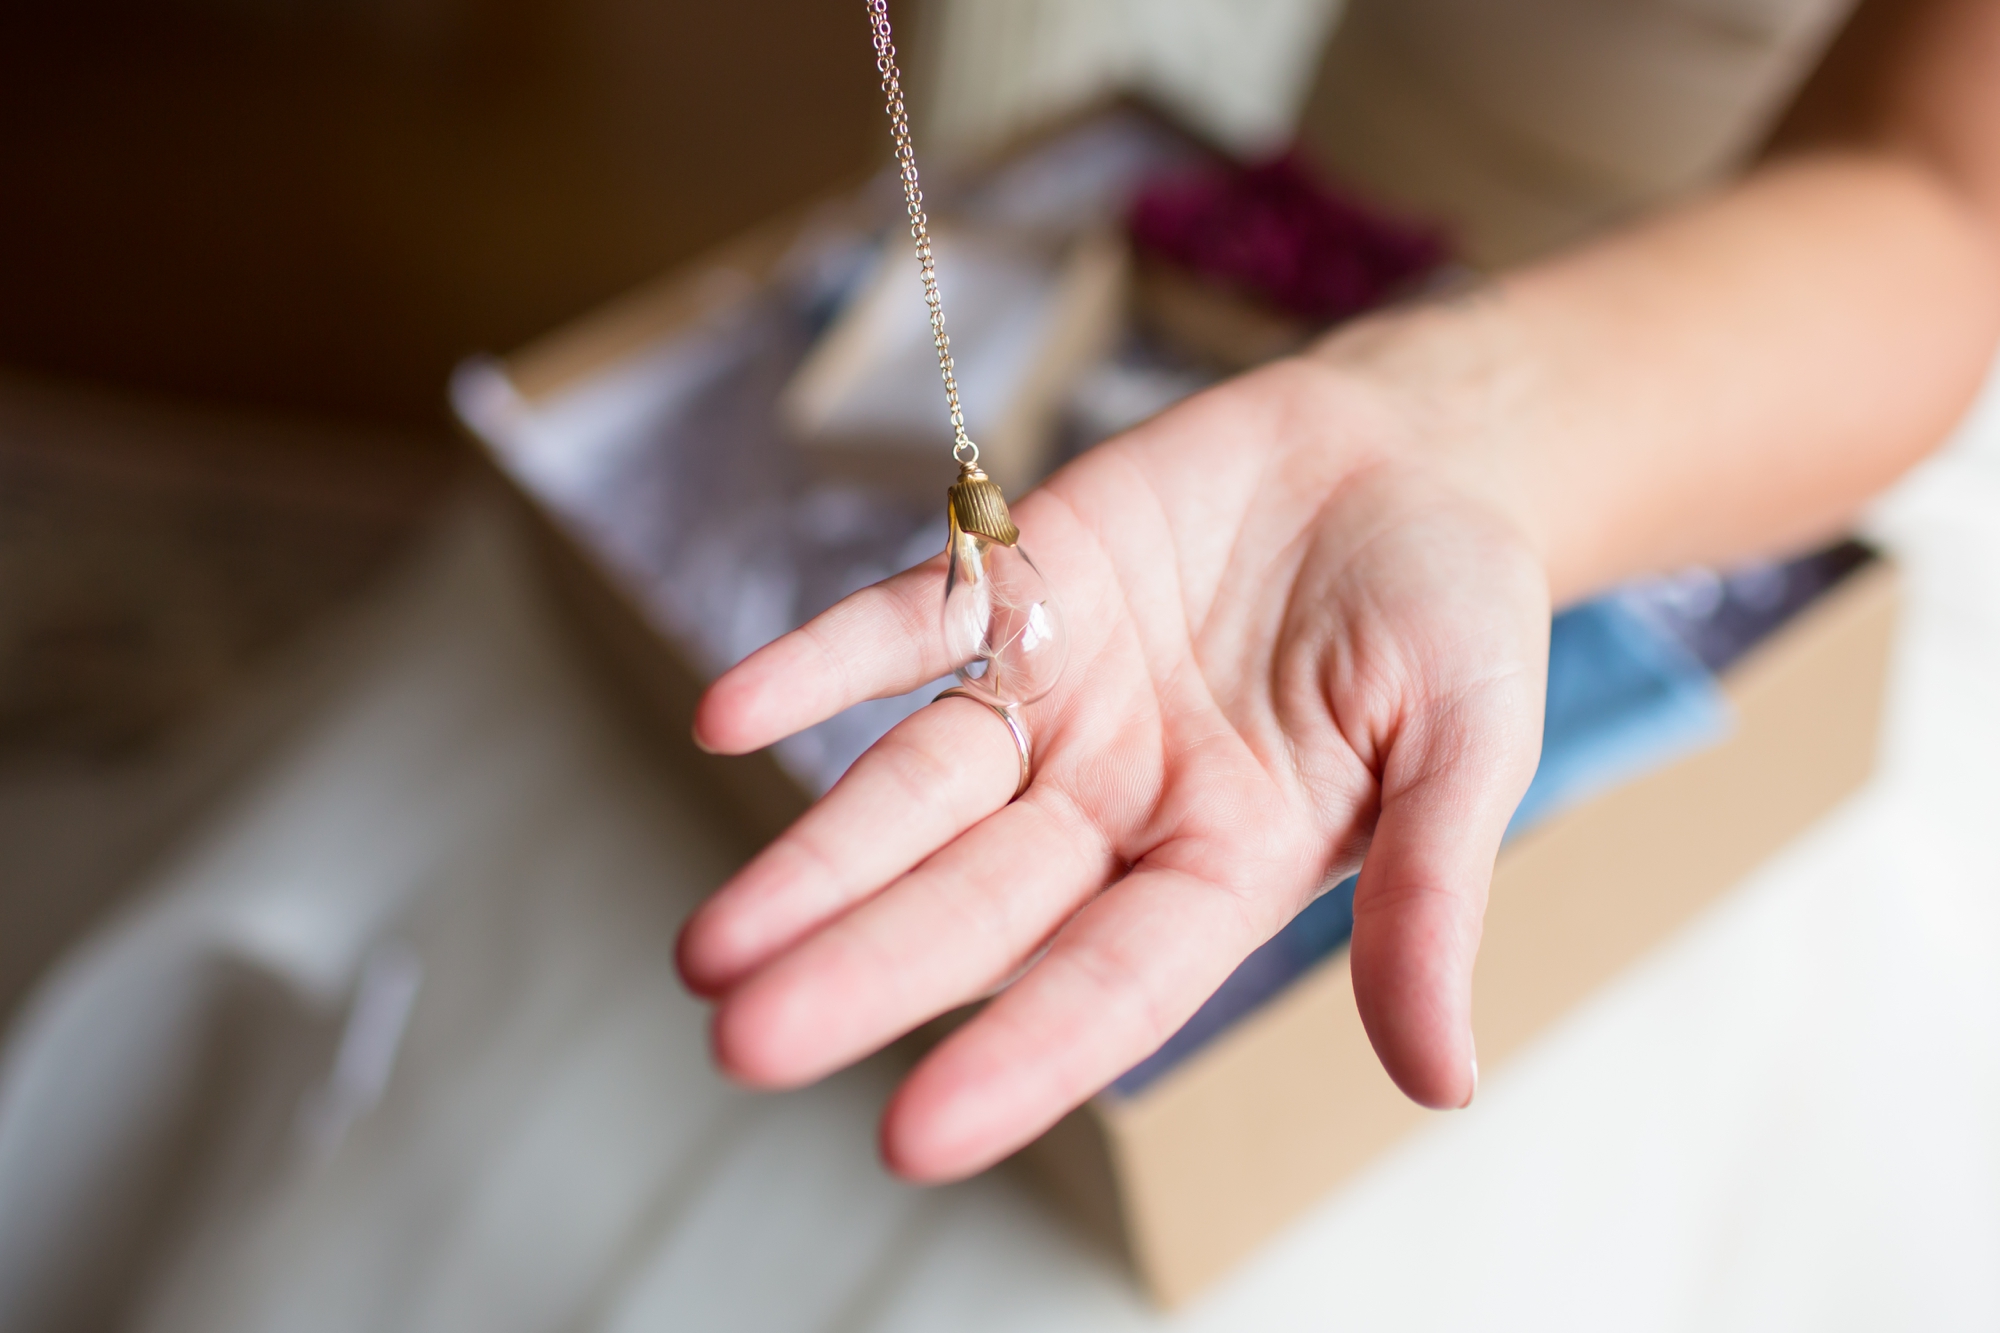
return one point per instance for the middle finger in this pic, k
(936, 774)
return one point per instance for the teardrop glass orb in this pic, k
(1002, 626)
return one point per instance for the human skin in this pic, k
(1309, 620)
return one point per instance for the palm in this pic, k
(1283, 645)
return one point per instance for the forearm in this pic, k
(1737, 376)
(1729, 381)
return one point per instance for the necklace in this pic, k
(1002, 627)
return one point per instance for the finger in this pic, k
(882, 641)
(947, 933)
(939, 772)
(1121, 978)
(1450, 784)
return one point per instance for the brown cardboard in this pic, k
(1211, 322)
(670, 304)
(1016, 442)
(1192, 1174)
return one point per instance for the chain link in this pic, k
(962, 449)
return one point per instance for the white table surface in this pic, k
(1788, 1117)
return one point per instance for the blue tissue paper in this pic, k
(1625, 697)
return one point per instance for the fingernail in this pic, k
(1475, 1083)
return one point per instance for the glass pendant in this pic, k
(1002, 626)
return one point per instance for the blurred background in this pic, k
(242, 246)
(396, 401)
(318, 206)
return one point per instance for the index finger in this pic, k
(882, 641)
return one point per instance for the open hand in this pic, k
(1295, 639)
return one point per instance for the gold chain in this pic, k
(962, 449)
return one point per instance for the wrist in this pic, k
(1448, 386)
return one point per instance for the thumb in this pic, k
(1452, 779)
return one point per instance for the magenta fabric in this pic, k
(1276, 232)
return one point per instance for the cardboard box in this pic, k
(1026, 317)
(1189, 1173)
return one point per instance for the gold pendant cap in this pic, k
(977, 506)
